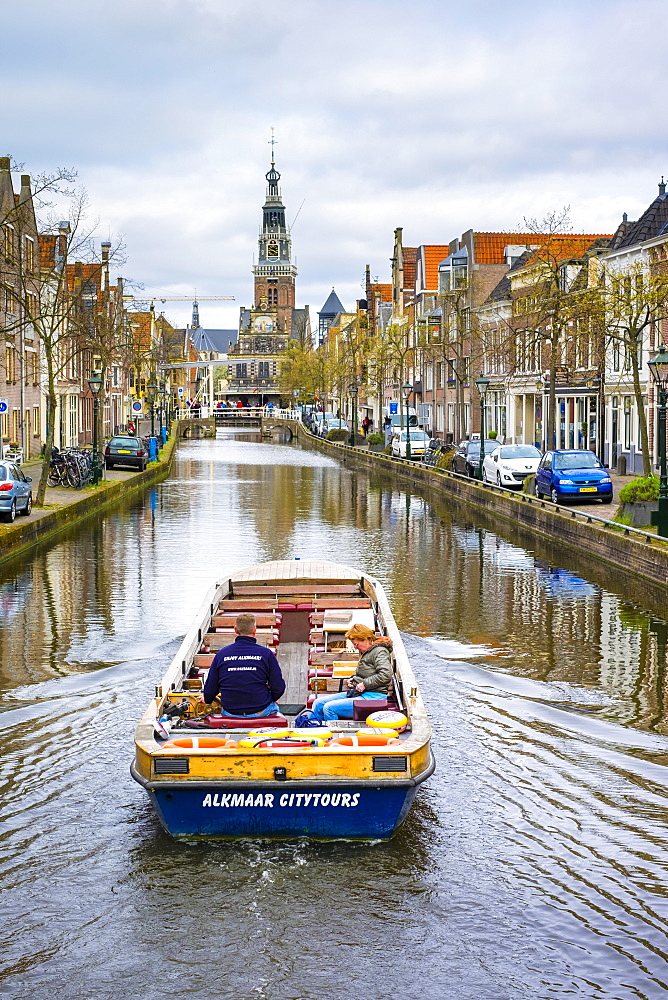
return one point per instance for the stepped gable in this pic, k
(653, 222)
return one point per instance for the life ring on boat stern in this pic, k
(200, 743)
(365, 740)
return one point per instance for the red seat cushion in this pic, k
(321, 672)
(286, 607)
(305, 607)
(309, 701)
(237, 722)
(362, 707)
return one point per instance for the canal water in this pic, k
(534, 862)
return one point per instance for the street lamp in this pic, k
(152, 390)
(408, 388)
(658, 366)
(483, 385)
(95, 383)
(353, 393)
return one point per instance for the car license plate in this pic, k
(588, 489)
(124, 451)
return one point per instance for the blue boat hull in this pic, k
(277, 810)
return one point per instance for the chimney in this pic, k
(625, 217)
(106, 247)
(662, 189)
(5, 163)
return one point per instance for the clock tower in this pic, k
(274, 272)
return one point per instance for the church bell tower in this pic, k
(274, 272)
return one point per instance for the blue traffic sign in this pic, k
(4, 405)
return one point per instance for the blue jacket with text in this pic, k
(245, 675)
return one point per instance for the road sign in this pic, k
(4, 405)
(180, 390)
(138, 407)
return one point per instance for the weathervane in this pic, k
(272, 142)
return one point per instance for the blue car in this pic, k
(15, 491)
(570, 475)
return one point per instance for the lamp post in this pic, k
(408, 388)
(658, 365)
(483, 384)
(152, 390)
(353, 395)
(95, 383)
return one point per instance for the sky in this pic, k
(434, 115)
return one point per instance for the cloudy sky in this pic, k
(433, 115)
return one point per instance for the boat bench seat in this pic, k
(203, 660)
(321, 657)
(216, 640)
(251, 604)
(262, 621)
(363, 707)
(238, 722)
(297, 592)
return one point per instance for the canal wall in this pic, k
(613, 557)
(18, 538)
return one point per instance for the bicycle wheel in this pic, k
(73, 477)
(53, 478)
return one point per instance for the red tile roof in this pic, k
(383, 290)
(432, 255)
(489, 247)
(410, 258)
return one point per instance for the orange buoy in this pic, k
(365, 740)
(200, 743)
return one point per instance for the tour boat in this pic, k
(215, 776)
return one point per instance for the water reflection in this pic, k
(533, 864)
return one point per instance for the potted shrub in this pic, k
(341, 435)
(376, 442)
(639, 499)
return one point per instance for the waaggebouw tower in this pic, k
(265, 330)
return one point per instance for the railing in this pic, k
(647, 536)
(200, 412)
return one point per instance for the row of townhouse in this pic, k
(537, 313)
(61, 319)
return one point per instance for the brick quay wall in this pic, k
(617, 561)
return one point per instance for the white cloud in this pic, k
(435, 116)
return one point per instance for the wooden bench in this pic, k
(262, 621)
(216, 640)
(305, 592)
(251, 604)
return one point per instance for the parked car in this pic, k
(466, 458)
(570, 474)
(509, 465)
(419, 443)
(333, 424)
(126, 451)
(321, 420)
(15, 491)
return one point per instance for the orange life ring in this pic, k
(200, 743)
(365, 740)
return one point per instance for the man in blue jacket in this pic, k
(245, 677)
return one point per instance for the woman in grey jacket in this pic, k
(370, 680)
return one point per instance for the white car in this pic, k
(419, 443)
(509, 464)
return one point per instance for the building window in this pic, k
(30, 254)
(263, 369)
(628, 421)
(36, 422)
(242, 370)
(10, 364)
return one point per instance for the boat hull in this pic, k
(281, 810)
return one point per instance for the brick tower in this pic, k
(274, 272)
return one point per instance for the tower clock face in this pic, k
(263, 324)
(272, 248)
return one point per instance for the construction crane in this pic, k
(180, 298)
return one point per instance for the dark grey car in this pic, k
(465, 460)
(126, 451)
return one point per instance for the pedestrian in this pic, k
(366, 423)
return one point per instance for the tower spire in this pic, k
(272, 142)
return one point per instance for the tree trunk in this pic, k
(51, 402)
(642, 414)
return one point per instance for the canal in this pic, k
(534, 863)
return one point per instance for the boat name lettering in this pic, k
(287, 800)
